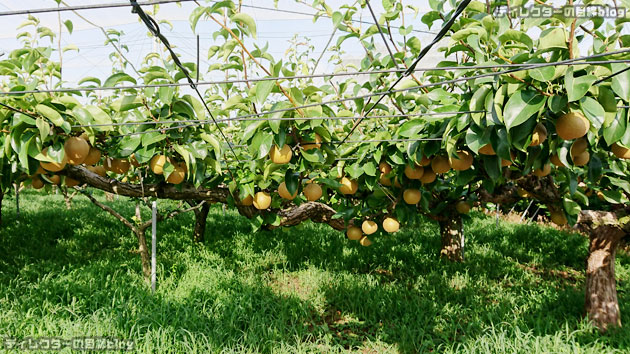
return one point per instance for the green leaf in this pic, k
(492, 166)
(212, 141)
(521, 106)
(621, 82)
(411, 128)
(119, 77)
(129, 144)
(476, 137)
(92, 79)
(414, 44)
(516, 36)
(291, 181)
(607, 99)
(614, 196)
(25, 141)
(69, 26)
(313, 155)
(543, 74)
(50, 113)
(570, 206)
(246, 21)
(261, 144)
(195, 15)
(577, 87)
(370, 168)
(462, 34)
(553, 38)
(151, 138)
(616, 129)
(593, 111)
(355, 170)
(251, 129)
(337, 17)
(477, 103)
(372, 30)
(44, 128)
(100, 117)
(263, 89)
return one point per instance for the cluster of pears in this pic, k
(425, 172)
(368, 227)
(283, 155)
(571, 126)
(262, 200)
(77, 151)
(178, 175)
(312, 192)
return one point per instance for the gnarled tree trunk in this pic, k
(452, 238)
(143, 249)
(201, 216)
(601, 304)
(142, 244)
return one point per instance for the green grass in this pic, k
(305, 289)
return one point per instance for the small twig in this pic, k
(529, 84)
(108, 209)
(332, 36)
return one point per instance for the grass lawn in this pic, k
(73, 273)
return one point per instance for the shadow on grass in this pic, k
(396, 291)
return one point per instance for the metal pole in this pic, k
(153, 245)
(197, 58)
(498, 209)
(536, 213)
(526, 210)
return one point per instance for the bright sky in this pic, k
(274, 28)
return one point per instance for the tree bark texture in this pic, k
(291, 216)
(601, 303)
(452, 238)
(201, 216)
(606, 231)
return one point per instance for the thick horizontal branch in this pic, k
(161, 191)
(317, 212)
(592, 219)
(291, 216)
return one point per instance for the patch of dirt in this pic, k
(570, 276)
(289, 284)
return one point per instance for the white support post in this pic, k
(497, 218)
(153, 245)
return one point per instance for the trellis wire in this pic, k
(611, 76)
(445, 82)
(157, 2)
(271, 119)
(85, 7)
(371, 141)
(299, 77)
(380, 30)
(154, 28)
(423, 52)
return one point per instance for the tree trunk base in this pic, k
(601, 303)
(201, 216)
(143, 249)
(452, 239)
